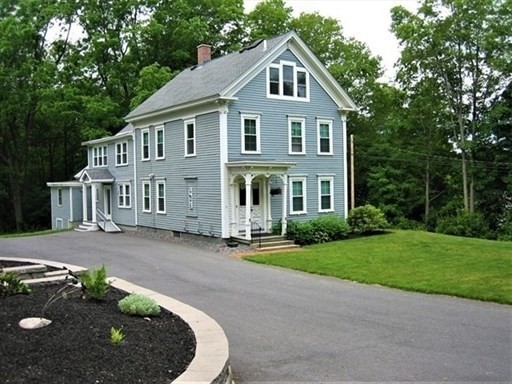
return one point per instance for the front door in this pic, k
(256, 208)
(107, 201)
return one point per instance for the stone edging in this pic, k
(210, 363)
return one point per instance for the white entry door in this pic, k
(256, 208)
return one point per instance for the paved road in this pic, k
(289, 326)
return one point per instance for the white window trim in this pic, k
(159, 129)
(158, 197)
(303, 131)
(99, 152)
(187, 122)
(122, 145)
(319, 123)
(144, 183)
(242, 130)
(142, 133)
(60, 197)
(291, 180)
(296, 69)
(124, 195)
(331, 184)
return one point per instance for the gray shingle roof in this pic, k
(207, 80)
(97, 174)
(127, 129)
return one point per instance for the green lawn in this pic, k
(411, 260)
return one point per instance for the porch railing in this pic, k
(256, 233)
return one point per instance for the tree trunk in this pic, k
(14, 179)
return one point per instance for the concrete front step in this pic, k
(86, 227)
(267, 244)
(288, 247)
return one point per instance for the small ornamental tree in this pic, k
(366, 220)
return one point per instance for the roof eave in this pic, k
(107, 139)
(178, 108)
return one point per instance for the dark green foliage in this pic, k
(321, 230)
(366, 220)
(139, 305)
(95, 282)
(10, 284)
(463, 224)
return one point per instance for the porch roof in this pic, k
(259, 167)
(95, 175)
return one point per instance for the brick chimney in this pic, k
(204, 53)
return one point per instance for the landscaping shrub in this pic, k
(95, 282)
(464, 224)
(366, 220)
(505, 228)
(10, 284)
(320, 230)
(140, 305)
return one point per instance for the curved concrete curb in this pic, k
(210, 363)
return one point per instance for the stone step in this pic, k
(289, 247)
(25, 269)
(46, 280)
(276, 243)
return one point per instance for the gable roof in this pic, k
(98, 175)
(224, 76)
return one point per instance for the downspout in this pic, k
(134, 188)
(343, 115)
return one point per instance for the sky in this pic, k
(368, 21)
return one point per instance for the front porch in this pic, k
(252, 184)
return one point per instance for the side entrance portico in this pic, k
(251, 185)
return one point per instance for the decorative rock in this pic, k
(34, 322)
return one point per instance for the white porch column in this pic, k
(84, 202)
(233, 230)
(268, 202)
(284, 223)
(93, 202)
(248, 205)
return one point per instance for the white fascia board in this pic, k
(64, 184)
(321, 74)
(260, 65)
(107, 139)
(189, 110)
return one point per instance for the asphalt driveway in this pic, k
(286, 326)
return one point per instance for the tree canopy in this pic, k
(435, 142)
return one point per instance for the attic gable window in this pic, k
(287, 81)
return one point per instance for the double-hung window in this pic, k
(251, 134)
(297, 136)
(324, 137)
(159, 143)
(146, 196)
(124, 195)
(298, 195)
(145, 144)
(325, 194)
(160, 196)
(99, 156)
(286, 80)
(190, 138)
(122, 153)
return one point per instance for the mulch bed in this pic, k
(76, 347)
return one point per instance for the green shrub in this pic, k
(505, 228)
(116, 336)
(95, 282)
(464, 224)
(320, 230)
(366, 220)
(10, 284)
(407, 224)
(139, 305)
